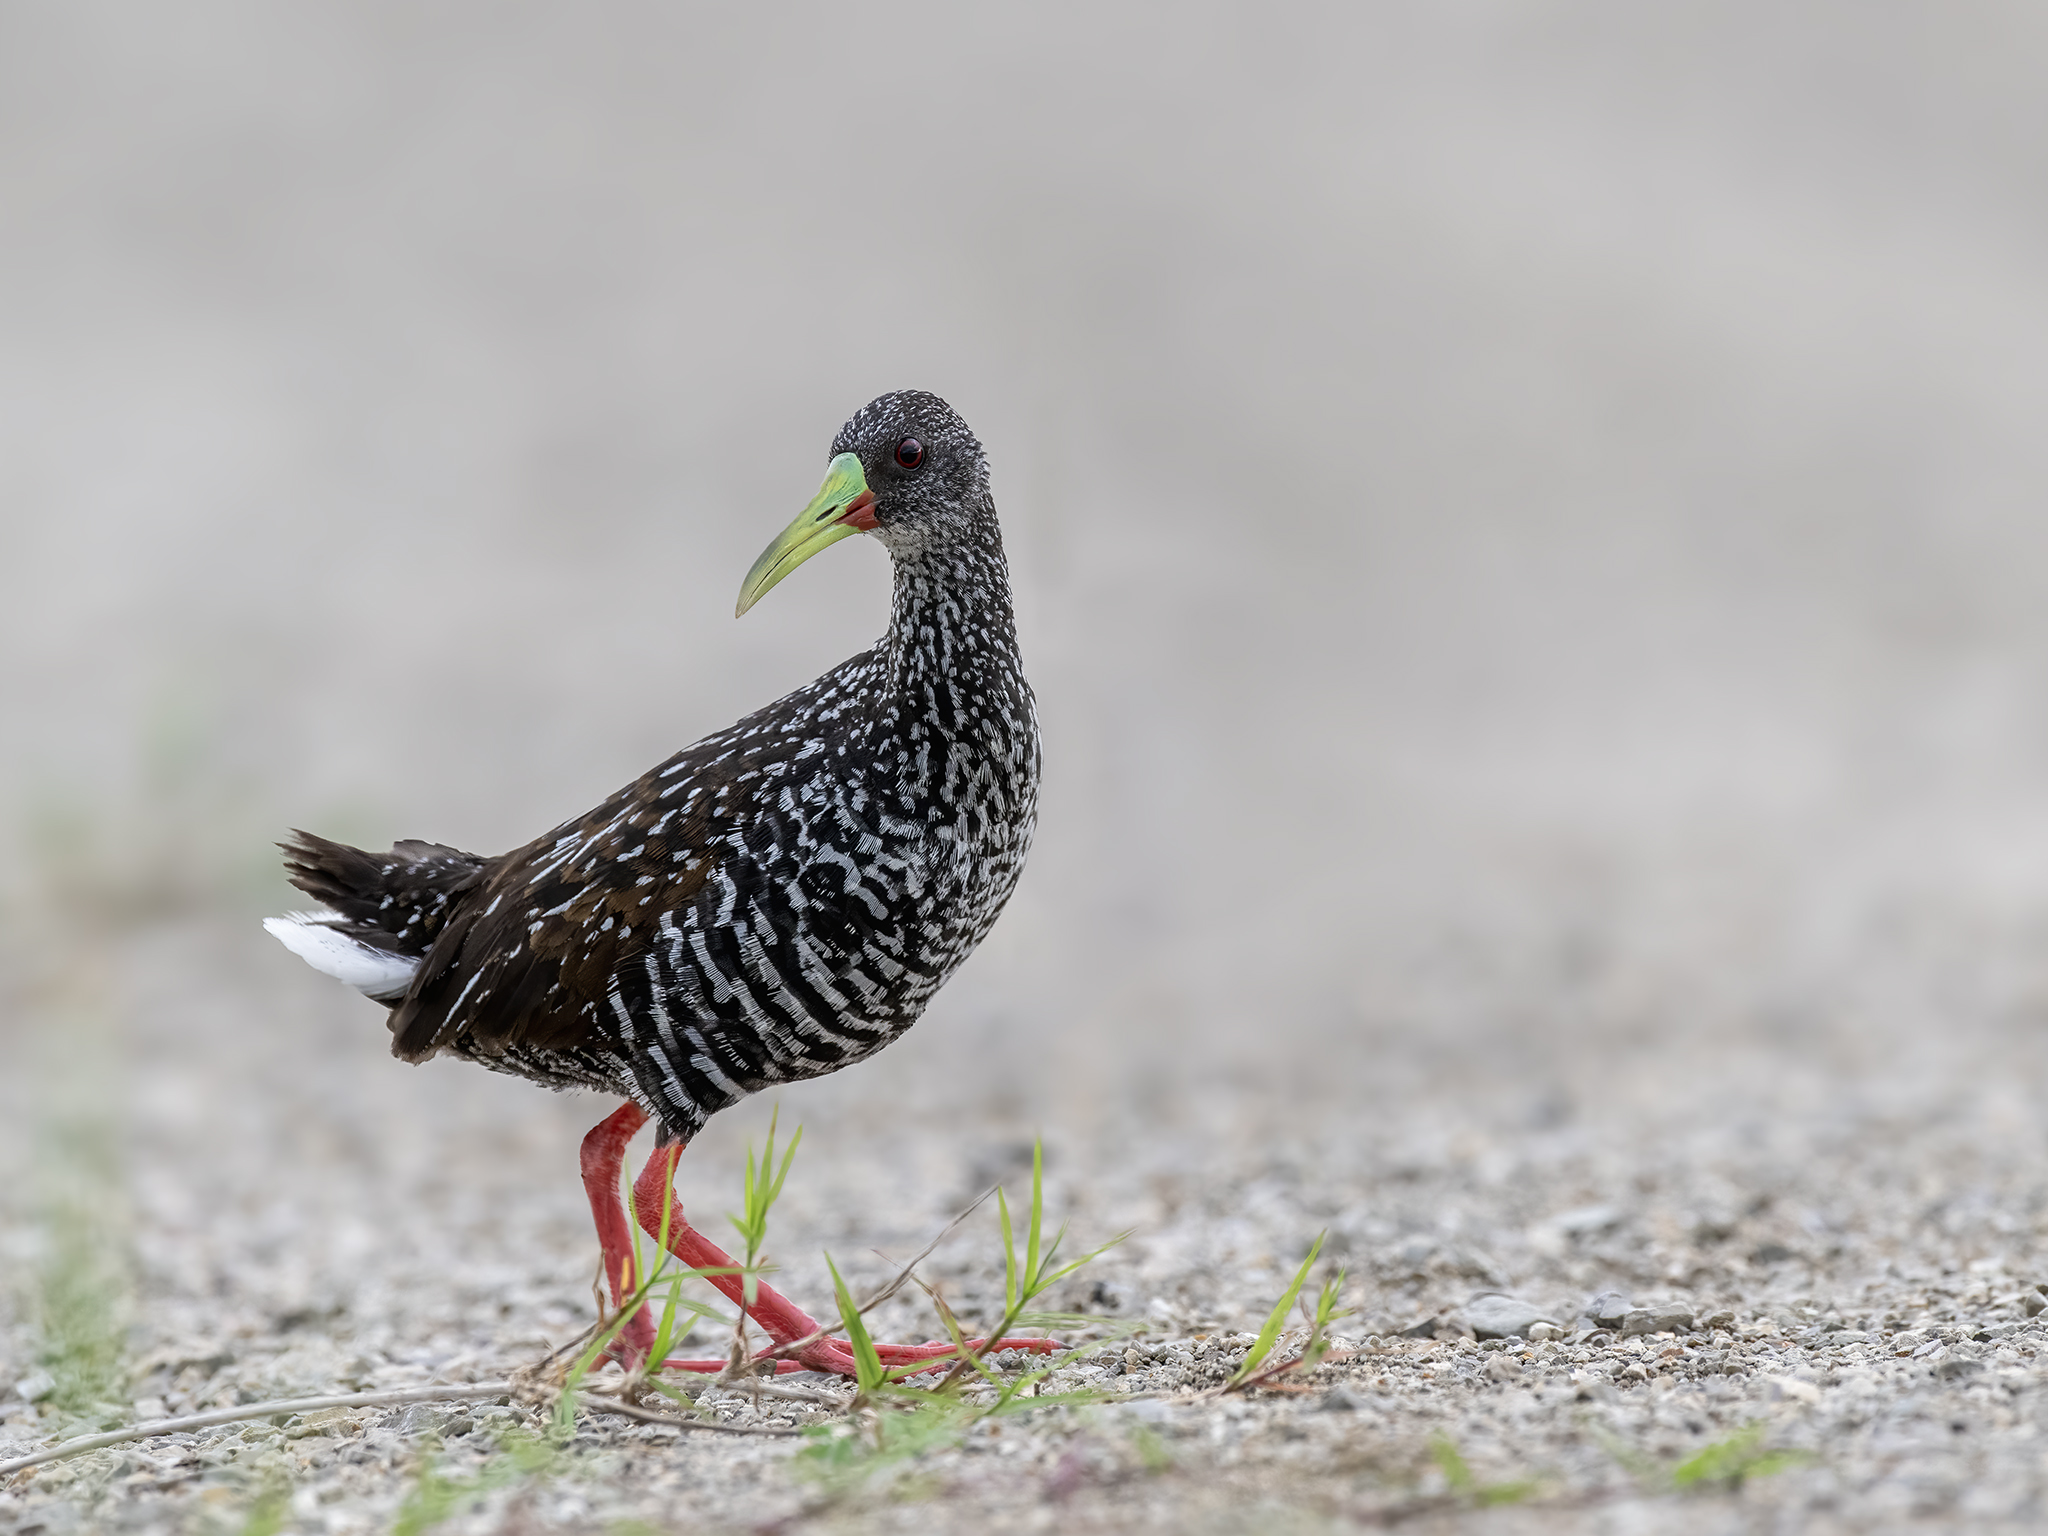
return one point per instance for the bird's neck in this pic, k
(952, 634)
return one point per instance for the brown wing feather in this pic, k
(528, 957)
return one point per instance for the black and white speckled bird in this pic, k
(776, 902)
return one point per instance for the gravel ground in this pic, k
(1526, 527)
(1799, 1207)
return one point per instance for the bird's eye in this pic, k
(910, 453)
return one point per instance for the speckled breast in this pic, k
(845, 901)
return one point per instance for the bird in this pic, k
(776, 902)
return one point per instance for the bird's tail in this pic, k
(381, 911)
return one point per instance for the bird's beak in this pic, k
(844, 505)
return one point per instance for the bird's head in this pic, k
(905, 468)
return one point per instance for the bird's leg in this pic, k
(782, 1319)
(604, 1154)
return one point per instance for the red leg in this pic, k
(604, 1155)
(782, 1319)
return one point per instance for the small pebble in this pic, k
(1496, 1315)
(1606, 1310)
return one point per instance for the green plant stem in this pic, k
(1021, 1284)
(1248, 1374)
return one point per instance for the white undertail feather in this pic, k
(313, 938)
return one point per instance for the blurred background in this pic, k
(1526, 523)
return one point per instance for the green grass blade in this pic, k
(870, 1376)
(959, 1342)
(782, 1175)
(664, 1332)
(1444, 1452)
(270, 1512)
(1463, 1485)
(1080, 1398)
(959, 1337)
(935, 1362)
(1010, 1302)
(1734, 1458)
(1028, 1379)
(1327, 1310)
(1037, 1214)
(696, 1310)
(743, 1223)
(1490, 1495)
(1723, 1459)
(565, 1405)
(632, 1229)
(761, 1189)
(1039, 1279)
(757, 1182)
(675, 1394)
(1263, 1345)
(668, 1208)
(1110, 1332)
(1153, 1454)
(430, 1500)
(1065, 1270)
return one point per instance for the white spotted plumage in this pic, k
(784, 897)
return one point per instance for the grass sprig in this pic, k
(1028, 1276)
(1325, 1312)
(871, 1377)
(1254, 1369)
(763, 1188)
(1729, 1462)
(1724, 1463)
(896, 1423)
(1466, 1488)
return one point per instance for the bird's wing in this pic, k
(528, 957)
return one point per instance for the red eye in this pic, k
(910, 453)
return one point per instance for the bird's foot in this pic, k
(798, 1342)
(903, 1354)
(833, 1357)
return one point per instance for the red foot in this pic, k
(835, 1357)
(604, 1154)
